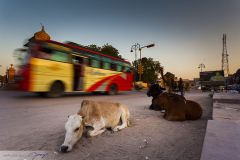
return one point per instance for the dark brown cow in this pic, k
(177, 108)
(154, 91)
(193, 110)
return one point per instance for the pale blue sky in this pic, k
(186, 33)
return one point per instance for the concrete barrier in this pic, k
(222, 138)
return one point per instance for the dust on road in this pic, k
(28, 122)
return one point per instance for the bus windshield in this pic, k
(52, 54)
(21, 57)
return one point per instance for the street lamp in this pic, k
(135, 47)
(147, 46)
(201, 66)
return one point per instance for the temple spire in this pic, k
(43, 29)
(41, 35)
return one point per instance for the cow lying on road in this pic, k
(97, 115)
(177, 108)
(154, 91)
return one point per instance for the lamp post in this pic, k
(135, 47)
(140, 63)
(201, 66)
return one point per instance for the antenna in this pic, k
(225, 65)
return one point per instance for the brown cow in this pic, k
(177, 108)
(193, 110)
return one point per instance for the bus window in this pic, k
(101, 64)
(22, 56)
(86, 61)
(50, 54)
(119, 68)
(77, 60)
(46, 50)
(113, 66)
(106, 65)
(59, 56)
(95, 63)
(126, 69)
(44, 53)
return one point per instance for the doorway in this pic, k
(78, 64)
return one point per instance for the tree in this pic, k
(94, 47)
(105, 49)
(110, 50)
(151, 69)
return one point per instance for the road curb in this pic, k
(222, 139)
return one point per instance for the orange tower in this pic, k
(11, 73)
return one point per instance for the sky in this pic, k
(186, 33)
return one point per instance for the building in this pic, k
(212, 80)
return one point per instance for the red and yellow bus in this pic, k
(53, 68)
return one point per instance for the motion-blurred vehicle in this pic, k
(234, 88)
(52, 68)
(140, 85)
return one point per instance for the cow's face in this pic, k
(154, 90)
(74, 130)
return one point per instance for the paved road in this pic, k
(29, 122)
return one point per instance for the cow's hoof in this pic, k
(112, 131)
(88, 135)
(64, 149)
(115, 129)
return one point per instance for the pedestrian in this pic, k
(181, 86)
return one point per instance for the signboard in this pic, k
(212, 76)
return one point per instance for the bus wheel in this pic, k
(113, 90)
(56, 90)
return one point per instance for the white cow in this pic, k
(99, 116)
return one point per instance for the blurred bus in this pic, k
(52, 68)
